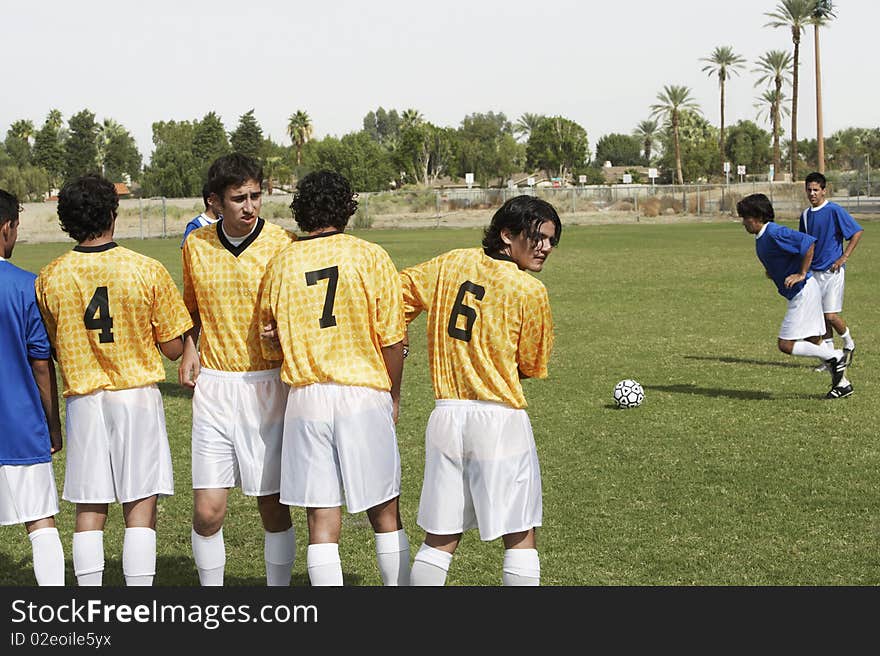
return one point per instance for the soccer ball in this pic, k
(628, 394)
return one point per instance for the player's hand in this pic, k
(395, 410)
(189, 369)
(56, 441)
(269, 332)
(793, 279)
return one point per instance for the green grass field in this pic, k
(735, 470)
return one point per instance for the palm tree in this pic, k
(723, 62)
(772, 104)
(773, 67)
(411, 118)
(299, 129)
(647, 132)
(673, 99)
(794, 15)
(526, 123)
(107, 131)
(823, 13)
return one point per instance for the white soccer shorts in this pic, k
(117, 447)
(238, 422)
(340, 448)
(804, 316)
(481, 470)
(831, 285)
(27, 493)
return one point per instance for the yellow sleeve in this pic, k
(416, 282)
(391, 323)
(266, 300)
(170, 316)
(536, 336)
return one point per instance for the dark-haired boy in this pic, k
(786, 255)
(489, 325)
(106, 310)
(209, 217)
(30, 395)
(238, 398)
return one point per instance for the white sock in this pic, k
(392, 555)
(279, 550)
(324, 565)
(848, 342)
(829, 342)
(48, 556)
(521, 567)
(139, 556)
(210, 556)
(810, 350)
(88, 557)
(430, 567)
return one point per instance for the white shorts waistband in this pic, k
(250, 376)
(471, 403)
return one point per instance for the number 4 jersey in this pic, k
(105, 308)
(488, 322)
(336, 301)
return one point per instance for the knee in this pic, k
(385, 517)
(208, 517)
(275, 515)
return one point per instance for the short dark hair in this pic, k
(521, 214)
(756, 206)
(206, 194)
(233, 170)
(87, 207)
(323, 199)
(815, 176)
(9, 207)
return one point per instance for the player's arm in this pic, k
(850, 247)
(47, 384)
(393, 356)
(806, 261)
(189, 368)
(172, 349)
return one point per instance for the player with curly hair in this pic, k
(336, 306)
(106, 310)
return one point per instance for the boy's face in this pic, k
(240, 207)
(9, 230)
(528, 254)
(752, 225)
(815, 194)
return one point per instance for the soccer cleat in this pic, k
(840, 392)
(837, 367)
(848, 355)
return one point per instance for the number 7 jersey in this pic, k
(105, 308)
(488, 323)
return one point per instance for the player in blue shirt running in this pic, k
(831, 225)
(209, 216)
(786, 255)
(32, 430)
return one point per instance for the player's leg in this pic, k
(521, 563)
(209, 549)
(431, 564)
(139, 541)
(392, 545)
(322, 559)
(88, 543)
(279, 543)
(48, 554)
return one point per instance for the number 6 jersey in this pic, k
(105, 308)
(488, 322)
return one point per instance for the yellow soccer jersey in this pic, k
(221, 283)
(487, 322)
(105, 308)
(336, 301)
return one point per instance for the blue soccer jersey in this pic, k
(781, 251)
(830, 224)
(24, 439)
(198, 222)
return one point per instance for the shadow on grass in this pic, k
(731, 360)
(175, 390)
(714, 392)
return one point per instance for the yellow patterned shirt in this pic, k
(105, 308)
(220, 284)
(336, 302)
(487, 322)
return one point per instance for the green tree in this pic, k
(723, 62)
(525, 124)
(248, 136)
(18, 142)
(173, 170)
(698, 143)
(383, 126)
(485, 146)
(673, 100)
(81, 146)
(793, 15)
(425, 152)
(619, 149)
(749, 145)
(120, 158)
(49, 149)
(773, 69)
(822, 14)
(365, 163)
(647, 132)
(209, 141)
(558, 146)
(410, 117)
(299, 129)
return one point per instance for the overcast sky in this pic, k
(599, 64)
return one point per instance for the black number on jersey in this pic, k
(332, 275)
(460, 309)
(99, 305)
